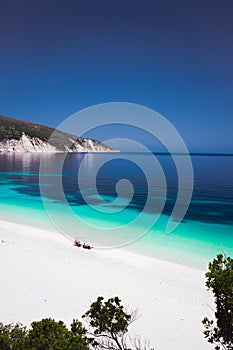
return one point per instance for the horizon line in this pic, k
(183, 154)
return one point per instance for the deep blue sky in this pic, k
(176, 57)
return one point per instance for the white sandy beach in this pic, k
(43, 275)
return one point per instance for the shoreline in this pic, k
(44, 275)
(191, 246)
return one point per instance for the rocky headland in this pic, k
(22, 136)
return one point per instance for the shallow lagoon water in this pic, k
(207, 228)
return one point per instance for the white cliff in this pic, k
(34, 144)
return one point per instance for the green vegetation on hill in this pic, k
(13, 129)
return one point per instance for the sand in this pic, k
(43, 275)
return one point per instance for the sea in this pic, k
(121, 201)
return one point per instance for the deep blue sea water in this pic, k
(94, 209)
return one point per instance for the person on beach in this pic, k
(77, 243)
(86, 246)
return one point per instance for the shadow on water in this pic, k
(206, 211)
(212, 200)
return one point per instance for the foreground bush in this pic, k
(42, 335)
(12, 336)
(220, 281)
(107, 329)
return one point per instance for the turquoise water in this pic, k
(110, 218)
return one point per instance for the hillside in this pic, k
(13, 128)
(19, 136)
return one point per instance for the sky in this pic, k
(58, 57)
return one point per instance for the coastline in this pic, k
(44, 275)
(194, 244)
